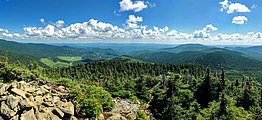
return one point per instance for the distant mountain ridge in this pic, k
(45, 50)
(216, 57)
(23, 59)
(187, 47)
(254, 51)
(206, 56)
(38, 51)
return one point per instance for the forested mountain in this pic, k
(215, 58)
(172, 91)
(169, 91)
(254, 52)
(53, 56)
(187, 47)
(126, 58)
(14, 58)
(44, 50)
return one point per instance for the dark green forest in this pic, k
(172, 91)
(200, 90)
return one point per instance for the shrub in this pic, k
(10, 73)
(122, 94)
(88, 107)
(140, 115)
(100, 94)
(91, 100)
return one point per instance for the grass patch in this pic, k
(60, 61)
(70, 59)
(49, 62)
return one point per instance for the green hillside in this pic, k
(187, 47)
(61, 61)
(44, 50)
(216, 60)
(21, 58)
(253, 52)
(126, 58)
(185, 91)
(53, 56)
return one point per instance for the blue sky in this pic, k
(151, 21)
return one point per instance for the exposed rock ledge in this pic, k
(34, 101)
(38, 100)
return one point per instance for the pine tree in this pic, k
(223, 80)
(204, 91)
(223, 109)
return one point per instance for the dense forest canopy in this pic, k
(171, 91)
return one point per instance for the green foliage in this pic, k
(172, 91)
(126, 58)
(214, 58)
(122, 94)
(141, 115)
(121, 79)
(232, 113)
(22, 59)
(44, 50)
(10, 73)
(49, 62)
(70, 59)
(93, 94)
(60, 61)
(87, 107)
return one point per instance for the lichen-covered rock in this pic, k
(15, 118)
(13, 101)
(100, 117)
(30, 89)
(6, 111)
(74, 118)
(28, 115)
(53, 117)
(131, 116)
(27, 103)
(117, 117)
(58, 112)
(67, 107)
(3, 88)
(19, 92)
(46, 101)
(48, 104)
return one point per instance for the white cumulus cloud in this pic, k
(239, 20)
(201, 34)
(94, 29)
(209, 28)
(250, 36)
(205, 32)
(60, 23)
(3, 30)
(4, 33)
(128, 5)
(42, 20)
(133, 20)
(233, 7)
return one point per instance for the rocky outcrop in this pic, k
(38, 100)
(124, 110)
(34, 101)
